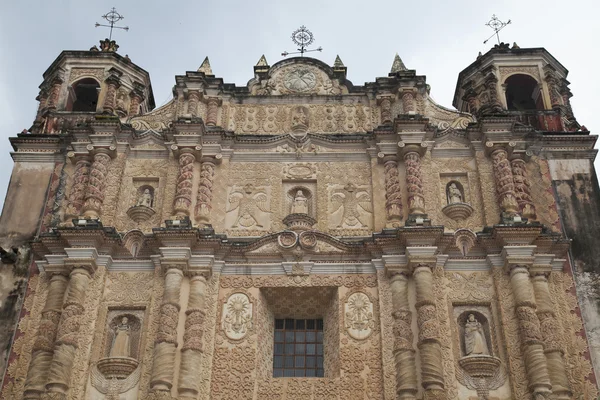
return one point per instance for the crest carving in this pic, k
(237, 316)
(358, 312)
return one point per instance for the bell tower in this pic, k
(529, 84)
(82, 84)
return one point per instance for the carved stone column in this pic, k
(432, 375)
(94, 196)
(43, 348)
(414, 181)
(81, 179)
(136, 97)
(193, 99)
(529, 328)
(212, 111)
(67, 337)
(523, 188)
(550, 329)
(408, 102)
(385, 106)
(204, 197)
(54, 93)
(165, 345)
(504, 182)
(183, 193)
(112, 84)
(404, 354)
(191, 353)
(393, 195)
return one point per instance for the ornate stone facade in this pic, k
(184, 251)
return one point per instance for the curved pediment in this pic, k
(298, 76)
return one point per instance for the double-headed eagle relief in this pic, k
(249, 208)
(350, 207)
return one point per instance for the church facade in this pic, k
(301, 237)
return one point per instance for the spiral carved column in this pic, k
(81, 180)
(204, 197)
(191, 353)
(134, 104)
(43, 348)
(110, 99)
(404, 353)
(183, 194)
(165, 345)
(67, 335)
(504, 182)
(529, 328)
(96, 185)
(414, 182)
(193, 99)
(393, 195)
(430, 349)
(54, 94)
(212, 111)
(523, 188)
(408, 102)
(549, 328)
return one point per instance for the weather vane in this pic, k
(497, 26)
(303, 38)
(113, 17)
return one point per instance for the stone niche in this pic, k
(144, 199)
(293, 190)
(455, 196)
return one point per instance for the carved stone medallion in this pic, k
(300, 80)
(358, 313)
(236, 317)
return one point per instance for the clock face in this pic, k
(300, 80)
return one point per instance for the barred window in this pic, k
(298, 348)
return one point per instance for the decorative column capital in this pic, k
(408, 148)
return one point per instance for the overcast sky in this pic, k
(437, 38)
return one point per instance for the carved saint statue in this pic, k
(145, 199)
(454, 194)
(475, 343)
(120, 344)
(300, 204)
(299, 117)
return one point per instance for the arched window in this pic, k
(523, 93)
(83, 96)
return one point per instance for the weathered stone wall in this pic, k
(578, 194)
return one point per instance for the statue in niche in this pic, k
(300, 117)
(454, 194)
(300, 203)
(145, 199)
(121, 343)
(475, 343)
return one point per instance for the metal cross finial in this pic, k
(497, 26)
(302, 37)
(113, 17)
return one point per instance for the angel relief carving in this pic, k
(249, 208)
(350, 207)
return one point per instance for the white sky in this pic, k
(437, 38)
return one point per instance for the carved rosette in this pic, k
(523, 188)
(393, 195)
(68, 332)
(212, 111)
(504, 182)
(205, 192)
(110, 99)
(414, 183)
(529, 328)
(404, 353)
(183, 195)
(95, 190)
(81, 179)
(193, 99)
